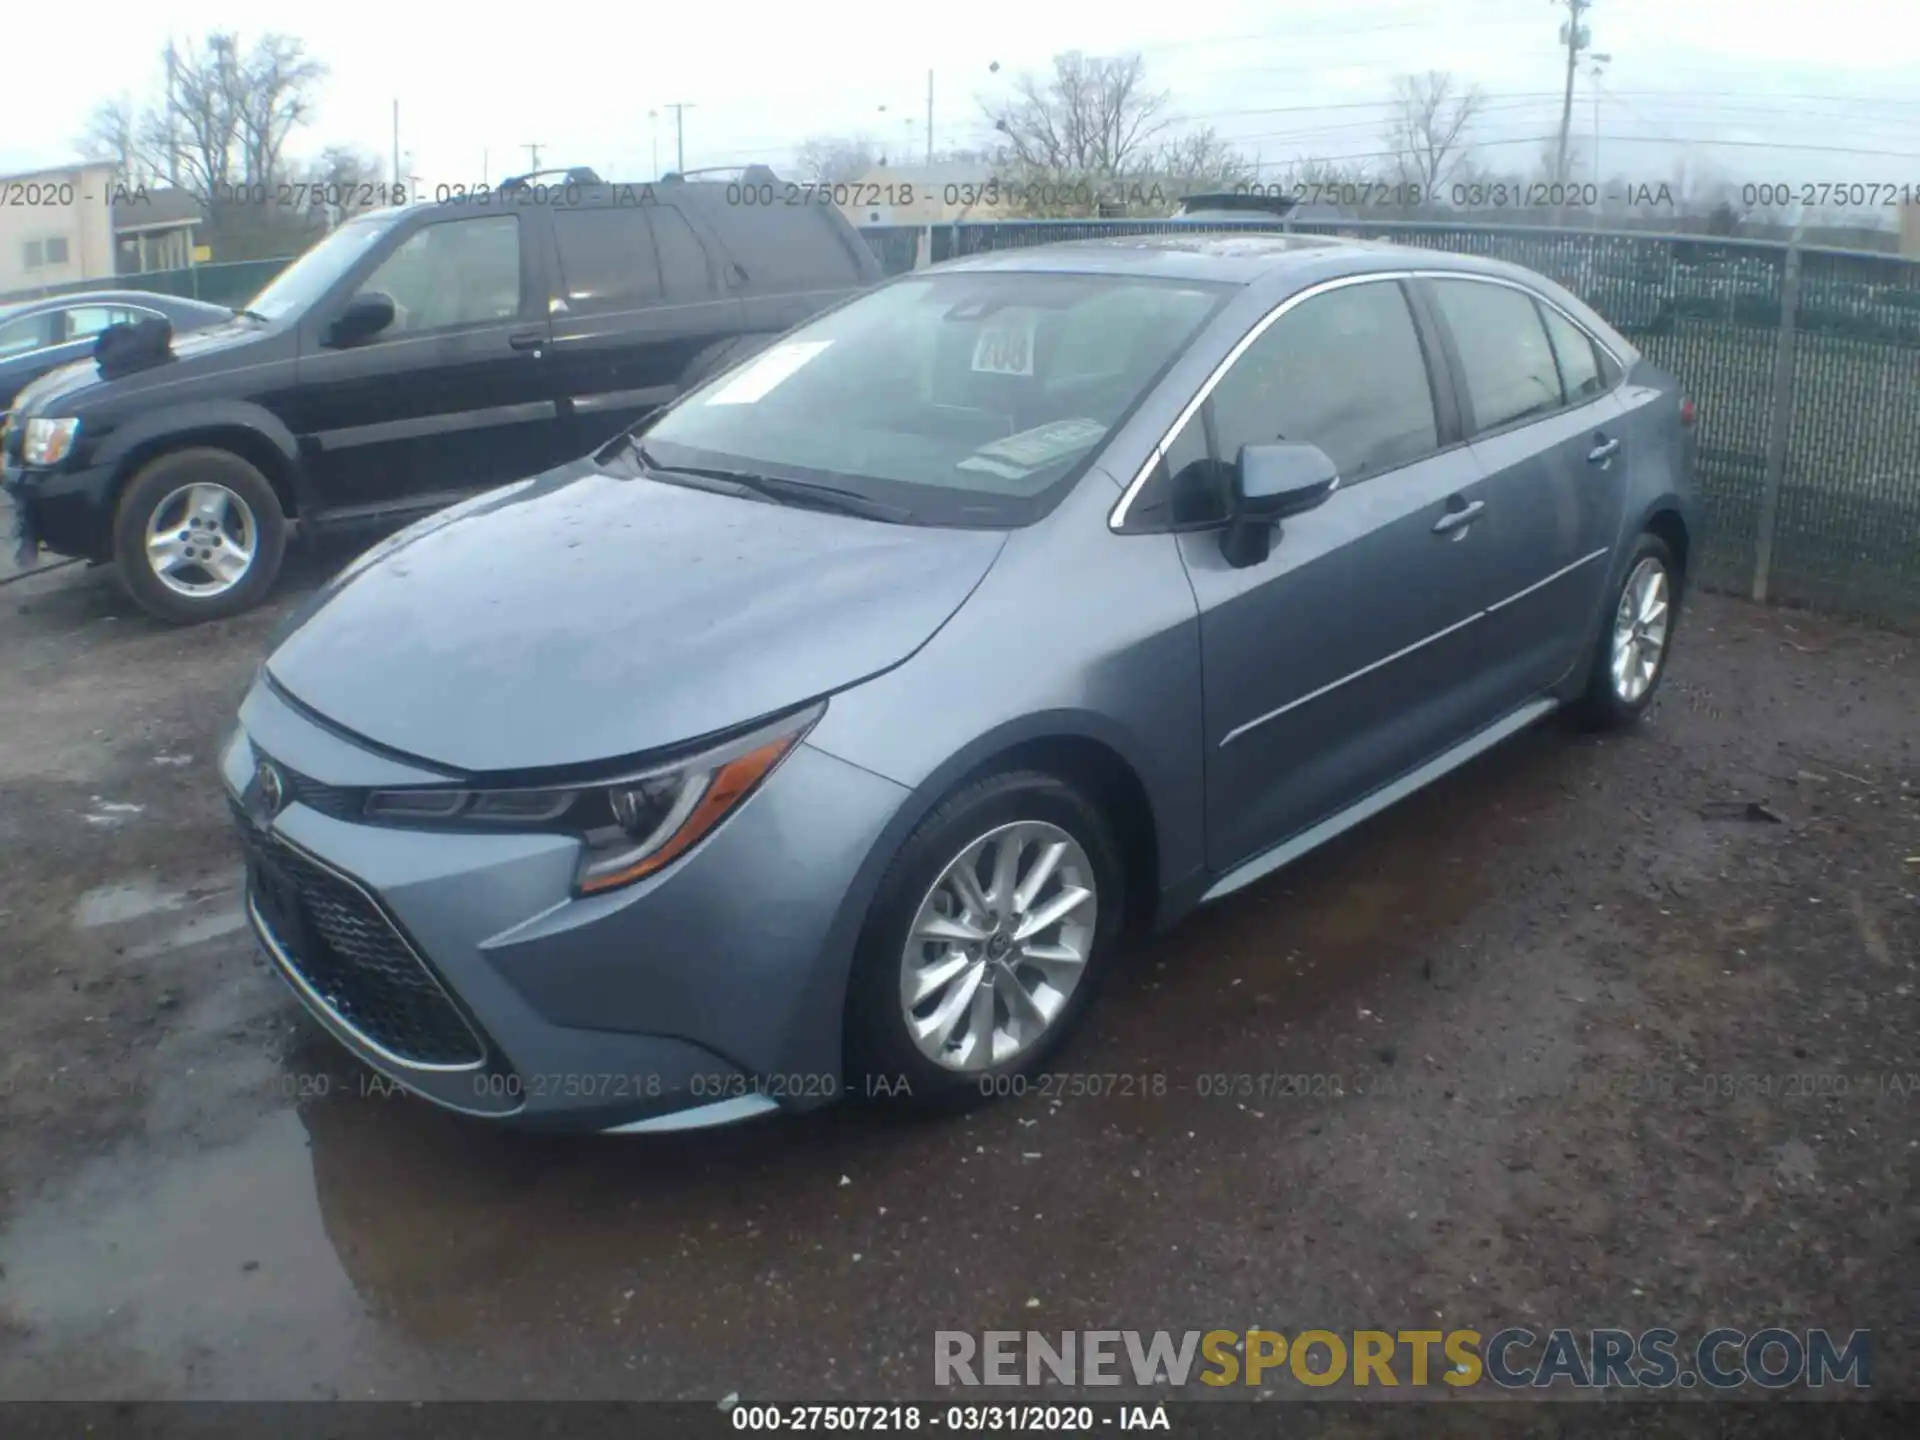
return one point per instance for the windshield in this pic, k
(309, 277)
(965, 399)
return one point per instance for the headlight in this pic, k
(629, 827)
(48, 441)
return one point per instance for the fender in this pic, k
(1638, 519)
(815, 1038)
(184, 422)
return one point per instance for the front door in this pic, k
(453, 394)
(1343, 659)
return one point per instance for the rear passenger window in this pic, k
(606, 258)
(683, 259)
(1579, 361)
(1343, 371)
(786, 248)
(1510, 370)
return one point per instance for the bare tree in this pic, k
(835, 159)
(1427, 131)
(114, 132)
(274, 97)
(1089, 125)
(1198, 161)
(230, 113)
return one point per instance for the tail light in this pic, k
(1686, 412)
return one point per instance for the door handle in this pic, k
(1603, 452)
(1455, 519)
(534, 340)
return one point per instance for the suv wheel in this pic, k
(198, 535)
(984, 943)
(1637, 631)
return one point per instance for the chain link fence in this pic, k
(1804, 365)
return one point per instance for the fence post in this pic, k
(1779, 422)
(923, 248)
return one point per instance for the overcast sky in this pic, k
(1799, 87)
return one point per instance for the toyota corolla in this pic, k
(823, 734)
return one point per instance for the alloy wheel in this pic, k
(1640, 631)
(998, 946)
(200, 540)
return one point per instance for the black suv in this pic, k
(413, 355)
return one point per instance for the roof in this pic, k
(156, 209)
(148, 299)
(70, 169)
(1233, 257)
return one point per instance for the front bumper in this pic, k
(459, 965)
(69, 512)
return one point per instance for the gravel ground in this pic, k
(1598, 1032)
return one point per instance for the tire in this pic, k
(1609, 702)
(170, 488)
(884, 1061)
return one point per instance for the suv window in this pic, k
(1579, 362)
(458, 272)
(785, 248)
(1508, 362)
(29, 332)
(606, 258)
(1343, 370)
(683, 259)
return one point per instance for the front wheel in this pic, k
(1631, 657)
(198, 535)
(984, 943)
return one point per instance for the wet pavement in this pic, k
(1462, 1068)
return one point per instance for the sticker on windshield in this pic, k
(762, 374)
(1018, 456)
(1005, 346)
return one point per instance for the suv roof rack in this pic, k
(574, 174)
(738, 174)
(1246, 202)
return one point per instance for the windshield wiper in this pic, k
(771, 487)
(253, 315)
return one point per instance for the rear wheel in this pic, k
(198, 535)
(1631, 658)
(984, 943)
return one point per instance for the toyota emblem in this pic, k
(273, 788)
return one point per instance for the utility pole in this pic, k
(929, 117)
(1595, 70)
(173, 110)
(679, 135)
(396, 142)
(653, 118)
(1574, 36)
(533, 156)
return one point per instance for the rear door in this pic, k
(1343, 659)
(639, 304)
(1552, 442)
(453, 395)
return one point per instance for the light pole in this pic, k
(654, 116)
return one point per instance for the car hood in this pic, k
(62, 388)
(585, 617)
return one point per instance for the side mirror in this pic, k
(1271, 482)
(366, 315)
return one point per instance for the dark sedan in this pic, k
(41, 335)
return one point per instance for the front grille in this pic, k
(351, 955)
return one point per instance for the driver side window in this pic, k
(1343, 370)
(459, 272)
